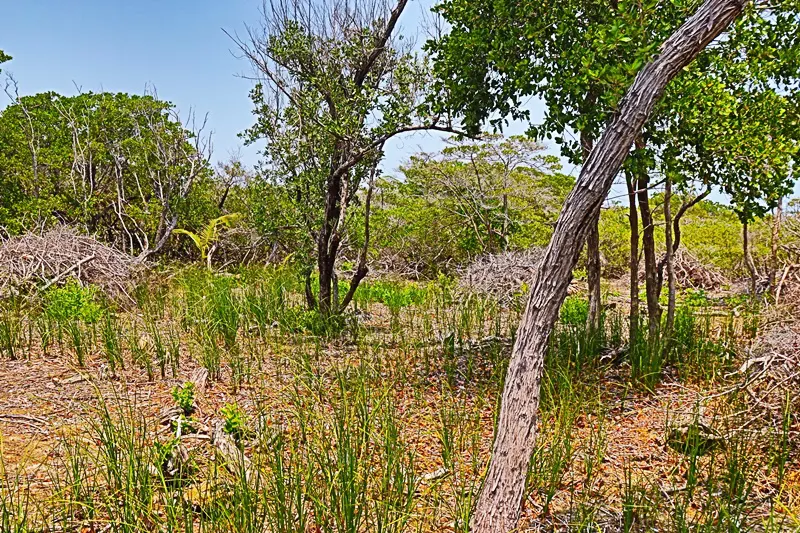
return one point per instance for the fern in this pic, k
(209, 235)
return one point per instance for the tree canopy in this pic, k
(118, 165)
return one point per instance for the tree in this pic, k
(500, 501)
(471, 198)
(577, 56)
(118, 165)
(335, 83)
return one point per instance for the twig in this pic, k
(74, 267)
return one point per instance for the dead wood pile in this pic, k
(772, 372)
(501, 275)
(692, 273)
(33, 261)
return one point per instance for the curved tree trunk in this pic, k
(500, 501)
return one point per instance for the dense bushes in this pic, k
(120, 166)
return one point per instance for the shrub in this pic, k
(184, 397)
(73, 302)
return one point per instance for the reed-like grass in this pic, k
(379, 419)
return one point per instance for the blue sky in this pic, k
(177, 47)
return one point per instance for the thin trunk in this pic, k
(327, 246)
(775, 241)
(224, 197)
(676, 232)
(748, 258)
(670, 265)
(326, 275)
(500, 502)
(505, 221)
(593, 275)
(649, 249)
(633, 220)
(362, 269)
(311, 301)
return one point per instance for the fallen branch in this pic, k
(66, 272)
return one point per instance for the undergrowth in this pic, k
(381, 419)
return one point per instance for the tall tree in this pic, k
(577, 56)
(500, 502)
(335, 83)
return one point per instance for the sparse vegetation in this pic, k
(357, 351)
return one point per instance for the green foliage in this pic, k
(473, 198)
(235, 420)
(333, 90)
(730, 120)
(73, 302)
(210, 233)
(118, 165)
(574, 311)
(183, 396)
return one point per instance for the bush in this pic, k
(73, 302)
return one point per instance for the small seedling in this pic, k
(235, 422)
(184, 397)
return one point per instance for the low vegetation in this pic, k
(483, 341)
(214, 389)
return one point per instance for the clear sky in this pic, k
(176, 46)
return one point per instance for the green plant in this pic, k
(235, 422)
(183, 396)
(73, 302)
(209, 235)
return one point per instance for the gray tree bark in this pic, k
(670, 322)
(500, 502)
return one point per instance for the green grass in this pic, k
(379, 420)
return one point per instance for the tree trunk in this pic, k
(676, 232)
(775, 240)
(592, 252)
(325, 265)
(670, 266)
(748, 258)
(500, 501)
(311, 301)
(362, 269)
(633, 221)
(328, 240)
(593, 275)
(649, 250)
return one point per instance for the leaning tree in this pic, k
(335, 82)
(577, 56)
(500, 502)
